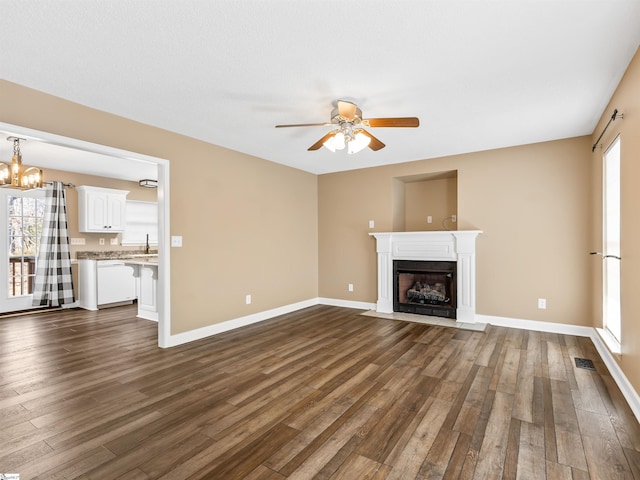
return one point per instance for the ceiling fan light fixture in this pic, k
(359, 142)
(336, 142)
(348, 118)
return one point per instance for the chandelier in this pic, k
(18, 175)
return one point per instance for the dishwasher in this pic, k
(116, 282)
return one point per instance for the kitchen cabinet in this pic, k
(101, 209)
(105, 282)
(116, 282)
(111, 282)
(147, 291)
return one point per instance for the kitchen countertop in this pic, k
(142, 261)
(135, 257)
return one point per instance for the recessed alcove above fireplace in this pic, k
(436, 246)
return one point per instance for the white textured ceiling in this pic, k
(479, 74)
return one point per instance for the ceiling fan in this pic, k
(347, 117)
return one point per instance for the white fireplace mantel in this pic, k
(454, 245)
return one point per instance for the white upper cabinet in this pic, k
(101, 209)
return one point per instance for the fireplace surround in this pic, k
(457, 246)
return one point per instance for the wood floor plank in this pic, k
(457, 460)
(471, 459)
(494, 445)
(530, 453)
(555, 471)
(570, 449)
(323, 454)
(523, 401)
(606, 459)
(319, 393)
(435, 465)
(513, 451)
(357, 467)
(408, 462)
(547, 411)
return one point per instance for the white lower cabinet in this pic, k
(114, 282)
(105, 282)
(147, 292)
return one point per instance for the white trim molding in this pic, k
(453, 245)
(563, 328)
(210, 330)
(336, 302)
(216, 328)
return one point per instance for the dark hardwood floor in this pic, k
(320, 393)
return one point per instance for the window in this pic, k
(611, 241)
(141, 220)
(24, 216)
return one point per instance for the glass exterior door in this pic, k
(21, 214)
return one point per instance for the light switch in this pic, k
(176, 240)
(371, 224)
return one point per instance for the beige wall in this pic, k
(532, 202)
(249, 226)
(627, 101)
(436, 198)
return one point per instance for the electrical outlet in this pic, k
(371, 224)
(247, 299)
(454, 218)
(542, 303)
(429, 219)
(101, 241)
(113, 241)
(176, 240)
(350, 287)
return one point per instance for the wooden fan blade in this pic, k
(347, 110)
(391, 122)
(305, 125)
(319, 143)
(375, 144)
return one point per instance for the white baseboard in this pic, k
(577, 330)
(629, 393)
(618, 375)
(336, 302)
(209, 330)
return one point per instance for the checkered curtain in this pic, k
(54, 283)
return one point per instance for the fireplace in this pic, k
(425, 288)
(456, 248)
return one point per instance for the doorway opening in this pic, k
(164, 321)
